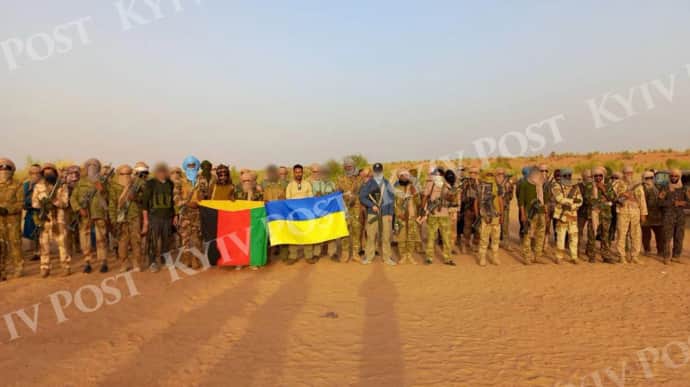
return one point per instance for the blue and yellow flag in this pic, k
(306, 221)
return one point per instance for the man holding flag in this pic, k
(298, 189)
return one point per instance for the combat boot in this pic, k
(428, 261)
(494, 260)
(636, 261)
(45, 273)
(574, 261)
(87, 268)
(104, 267)
(482, 261)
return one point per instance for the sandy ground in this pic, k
(335, 324)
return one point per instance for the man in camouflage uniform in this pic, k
(322, 185)
(568, 199)
(349, 184)
(533, 215)
(11, 203)
(30, 231)
(600, 196)
(632, 210)
(438, 196)
(89, 199)
(675, 199)
(507, 188)
(585, 209)
(125, 199)
(470, 187)
(50, 198)
(72, 175)
(188, 193)
(654, 223)
(489, 205)
(453, 208)
(550, 203)
(405, 227)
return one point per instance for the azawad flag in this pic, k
(236, 232)
(307, 221)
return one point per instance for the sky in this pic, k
(249, 82)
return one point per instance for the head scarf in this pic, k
(566, 171)
(679, 184)
(525, 172)
(191, 173)
(537, 178)
(93, 169)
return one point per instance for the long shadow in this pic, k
(262, 348)
(381, 359)
(172, 346)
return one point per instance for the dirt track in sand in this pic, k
(408, 325)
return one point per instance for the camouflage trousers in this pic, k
(190, 236)
(57, 232)
(453, 225)
(629, 221)
(599, 220)
(129, 235)
(373, 233)
(10, 245)
(351, 244)
(101, 240)
(536, 231)
(294, 249)
(569, 228)
(489, 234)
(437, 224)
(408, 237)
(506, 223)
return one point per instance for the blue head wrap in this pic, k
(525, 171)
(191, 173)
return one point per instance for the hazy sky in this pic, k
(249, 82)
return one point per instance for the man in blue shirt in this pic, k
(378, 197)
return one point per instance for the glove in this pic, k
(4, 211)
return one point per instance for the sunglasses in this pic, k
(676, 176)
(614, 178)
(650, 178)
(6, 167)
(598, 175)
(567, 176)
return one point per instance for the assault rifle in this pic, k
(123, 208)
(486, 206)
(47, 201)
(86, 199)
(535, 207)
(626, 195)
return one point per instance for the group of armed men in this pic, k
(143, 215)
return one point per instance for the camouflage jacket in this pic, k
(654, 216)
(630, 197)
(350, 187)
(567, 200)
(118, 203)
(407, 200)
(60, 201)
(602, 203)
(273, 190)
(12, 197)
(241, 195)
(97, 206)
(322, 187)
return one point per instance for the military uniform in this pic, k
(535, 225)
(438, 221)
(507, 188)
(86, 196)
(568, 200)
(405, 227)
(125, 211)
(599, 220)
(630, 209)
(350, 186)
(275, 190)
(673, 204)
(186, 196)
(11, 202)
(490, 208)
(322, 188)
(54, 226)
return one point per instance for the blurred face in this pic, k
(34, 174)
(272, 174)
(283, 173)
(298, 173)
(500, 177)
(316, 173)
(349, 169)
(161, 174)
(627, 176)
(474, 175)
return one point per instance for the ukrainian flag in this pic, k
(306, 221)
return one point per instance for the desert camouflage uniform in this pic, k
(189, 226)
(655, 221)
(508, 189)
(350, 186)
(126, 218)
(600, 217)
(97, 217)
(12, 199)
(275, 190)
(568, 200)
(469, 195)
(406, 203)
(629, 213)
(54, 228)
(439, 220)
(489, 193)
